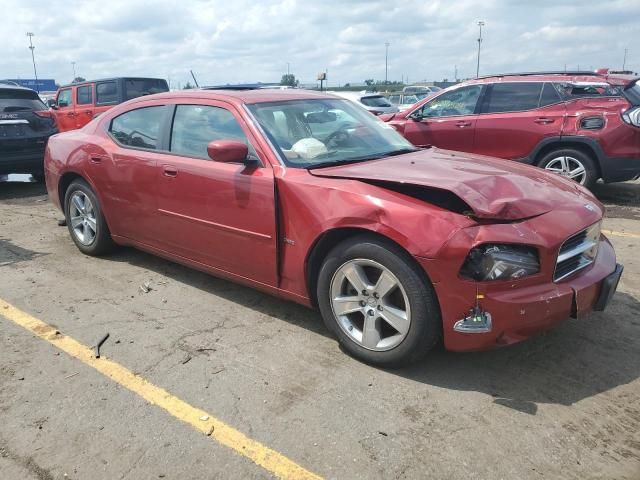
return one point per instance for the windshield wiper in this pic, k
(335, 163)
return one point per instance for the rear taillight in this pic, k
(46, 114)
(632, 116)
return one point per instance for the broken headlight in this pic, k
(500, 262)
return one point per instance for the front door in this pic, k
(65, 112)
(217, 214)
(447, 121)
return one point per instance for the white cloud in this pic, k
(244, 41)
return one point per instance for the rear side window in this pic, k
(377, 101)
(513, 97)
(15, 100)
(106, 92)
(194, 126)
(137, 87)
(84, 95)
(138, 128)
(64, 99)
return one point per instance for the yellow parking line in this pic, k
(620, 234)
(269, 459)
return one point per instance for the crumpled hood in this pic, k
(494, 189)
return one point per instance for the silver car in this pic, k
(375, 103)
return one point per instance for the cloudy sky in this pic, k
(230, 41)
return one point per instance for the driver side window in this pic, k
(461, 101)
(64, 98)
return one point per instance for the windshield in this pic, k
(15, 100)
(377, 101)
(323, 132)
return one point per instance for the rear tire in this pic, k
(85, 221)
(378, 302)
(572, 164)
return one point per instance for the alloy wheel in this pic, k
(370, 304)
(569, 167)
(83, 218)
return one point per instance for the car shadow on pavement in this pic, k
(247, 297)
(11, 254)
(10, 190)
(576, 360)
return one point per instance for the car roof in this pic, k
(111, 79)
(561, 76)
(241, 96)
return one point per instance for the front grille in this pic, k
(577, 252)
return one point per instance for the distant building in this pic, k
(42, 85)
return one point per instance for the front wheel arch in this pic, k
(329, 239)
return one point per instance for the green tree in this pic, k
(79, 79)
(187, 86)
(289, 79)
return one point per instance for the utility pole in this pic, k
(624, 62)
(73, 64)
(386, 61)
(287, 68)
(33, 58)
(480, 24)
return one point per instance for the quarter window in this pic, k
(461, 101)
(194, 126)
(138, 128)
(549, 95)
(84, 95)
(64, 99)
(106, 92)
(513, 97)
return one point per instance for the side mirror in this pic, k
(51, 103)
(417, 116)
(228, 151)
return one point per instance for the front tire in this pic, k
(378, 302)
(572, 164)
(85, 221)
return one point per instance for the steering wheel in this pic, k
(339, 136)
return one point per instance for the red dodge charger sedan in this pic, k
(310, 198)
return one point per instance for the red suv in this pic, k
(581, 125)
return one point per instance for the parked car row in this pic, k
(310, 198)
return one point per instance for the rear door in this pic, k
(66, 109)
(446, 121)
(124, 169)
(84, 105)
(516, 116)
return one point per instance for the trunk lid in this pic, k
(494, 189)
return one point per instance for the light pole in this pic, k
(287, 68)
(480, 24)
(73, 64)
(386, 61)
(624, 62)
(33, 58)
